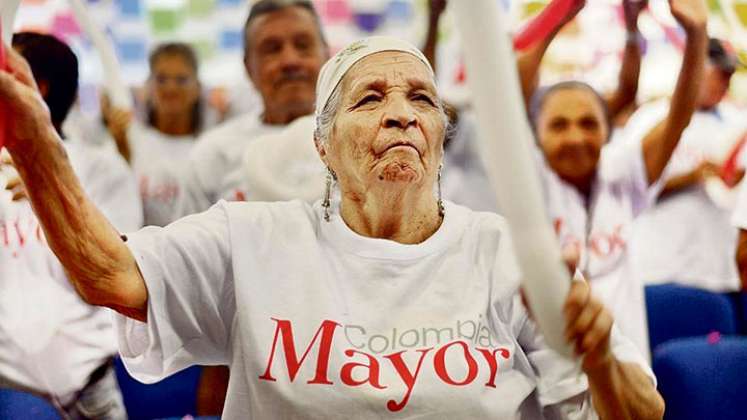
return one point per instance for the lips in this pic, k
(401, 144)
(292, 78)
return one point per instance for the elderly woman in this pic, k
(386, 303)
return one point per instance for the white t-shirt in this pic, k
(50, 340)
(317, 322)
(214, 170)
(600, 230)
(686, 238)
(159, 161)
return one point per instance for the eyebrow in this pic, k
(421, 84)
(380, 84)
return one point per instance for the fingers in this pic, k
(9, 90)
(588, 325)
(20, 68)
(15, 185)
(579, 329)
(571, 257)
(576, 301)
(597, 336)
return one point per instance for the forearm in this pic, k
(691, 75)
(623, 391)
(679, 183)
(95, 258)
(431, 40)
(659, 145)
(627, 86)
(741, 257)
(528, 63)
(123, 147)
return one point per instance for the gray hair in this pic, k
(264, 7)
(325, 120)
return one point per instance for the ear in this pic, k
(321, 150)
(248, 69)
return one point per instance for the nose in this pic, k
(399, 114)
(290, 58)
(575, 135)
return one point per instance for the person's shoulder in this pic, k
(228, 130)
(286, 215)
(482, 219)
(484, 226)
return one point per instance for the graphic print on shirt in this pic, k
(456, 355)
(603, 250)
(18, 231)
(164, 192)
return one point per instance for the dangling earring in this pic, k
(327, 202)
(441, 208)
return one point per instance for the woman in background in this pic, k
(173, 120)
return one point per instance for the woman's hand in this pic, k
(691, 14)
(618, 390)
(588, 326)
(28, 116)
(573, 11)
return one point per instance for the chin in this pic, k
(577, 174)
(400, 172)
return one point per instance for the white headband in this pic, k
(336, 67)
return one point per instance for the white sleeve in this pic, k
(188, 272)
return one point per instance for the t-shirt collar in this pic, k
(338, 235)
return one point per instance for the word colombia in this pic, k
(459, 350)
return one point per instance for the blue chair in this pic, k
(700, 380)
(740, 307)
(678, 311)
(22, 405)
(175, 396)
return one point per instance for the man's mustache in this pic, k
(293, 76)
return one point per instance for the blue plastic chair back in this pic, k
(22, 405)
(175, 396)
(678, 312)
(700, 380)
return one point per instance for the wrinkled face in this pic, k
(173, 85)
(284, 53)
(714, 87)
(572, 130)
(389, 128)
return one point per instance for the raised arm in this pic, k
(96, 260)
(660, 142)
(529, 60)
(741, 258)
(435, 10)
(630, 70)
(117, 123)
